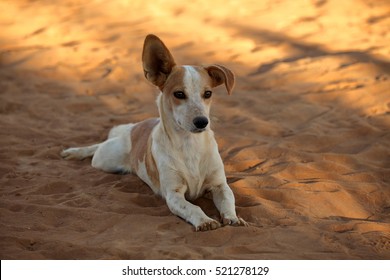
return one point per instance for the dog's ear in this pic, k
(220, 74)
(157, 60)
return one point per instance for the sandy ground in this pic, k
(304, 138)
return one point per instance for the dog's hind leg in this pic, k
(110, 156)
(113, 155)
(123, 129)
(79, 152)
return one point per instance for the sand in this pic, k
(304, 137)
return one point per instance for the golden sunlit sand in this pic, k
(304, 137)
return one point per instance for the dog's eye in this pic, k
(179, 95)
(207, 94)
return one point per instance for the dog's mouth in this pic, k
(198, 130)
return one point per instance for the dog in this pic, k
(176, 154)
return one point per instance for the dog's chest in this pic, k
(193, 165)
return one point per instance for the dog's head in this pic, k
(186, 90)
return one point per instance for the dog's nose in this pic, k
(200, 122)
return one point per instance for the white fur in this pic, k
(188, 163)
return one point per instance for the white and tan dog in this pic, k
(176, 154)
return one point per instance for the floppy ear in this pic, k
(157, 60)
(220, 74)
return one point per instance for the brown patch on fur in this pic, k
(175, 81)
(178, 190)
(141, 149)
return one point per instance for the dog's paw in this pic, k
(233, 221)
(65, 154)
(210, 224)
(72, 153)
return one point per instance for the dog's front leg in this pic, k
(188, 211)
(224, 201)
